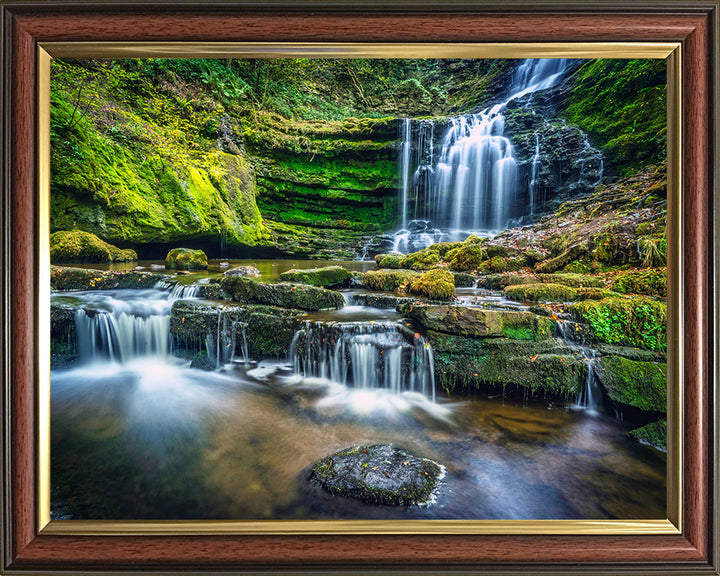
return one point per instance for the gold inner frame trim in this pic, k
(670, 51)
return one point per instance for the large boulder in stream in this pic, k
(284, 295)
(381, 474)
(479, 322)
(641, 385)
(186, 259)
(327, 277)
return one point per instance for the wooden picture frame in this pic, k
(29, 547)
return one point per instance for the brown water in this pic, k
(158, 440)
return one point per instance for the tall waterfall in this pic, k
(365, 355)
(471, 184)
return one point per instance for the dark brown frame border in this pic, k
(692, 23)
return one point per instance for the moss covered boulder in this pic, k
(466, 257)
(421, 260)
(381, 474)
(68, 278)
(328, 277)
(639, 322)
(569, 279)
(77, 246)
(480, 323)
(393, 260)
(642, 385)
(389, 280)
(186, 259)
(653, 434)
(284, 295)
(650, 282)
(553, 293)
(434, 284)
(502, 281)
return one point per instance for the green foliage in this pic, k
(78, 246)
(435, 284)
(625, 112)
(640, 322)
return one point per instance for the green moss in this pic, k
(650, 282)
(421, 260)
(329, 276)
(466, 258)
(541, 293)
(435, 284)
(574, 280)
(642, 385)
(66, 278)
(78, 246)
(626, 115)
(502, 281)
(186, 259)
(392, 261)
(653, 434)
(247, 290)
(389, 280)
(640, 322)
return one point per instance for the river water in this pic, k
(144, 436)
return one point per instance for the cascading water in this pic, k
(590, 397)
(472, 184)
(363, 355)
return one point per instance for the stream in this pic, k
(139, 434)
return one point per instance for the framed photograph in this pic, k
(309, 288)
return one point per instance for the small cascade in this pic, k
(365, 356)
(468, 180)
(590, 397)
(121, 331)
(178, 291)
(592, 165)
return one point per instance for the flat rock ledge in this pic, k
(379, 474)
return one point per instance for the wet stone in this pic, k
(381, 474)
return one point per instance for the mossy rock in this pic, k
(548, 368)
(284, 295)
(463, 280)
(68, 278)
(573, 280)
(389, 280)
(380, 474)
(501, 250)
(434, 284)
(393, 260)
(421, 260)
(443, 248)
(480, 323)
(186, 259)
(642, 385)
(502, 281)
(77, 246)
(502, 264)
(553, 293)
(466, 257)
(559, 262)
(328, 277)
(640, 322)
(650, 282)
(653, 434)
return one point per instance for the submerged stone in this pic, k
(243, 271)
(381, 474)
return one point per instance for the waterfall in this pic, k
(590, 397)
(365, 356)
(117, 329)
(533, 176)
(471, 185)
